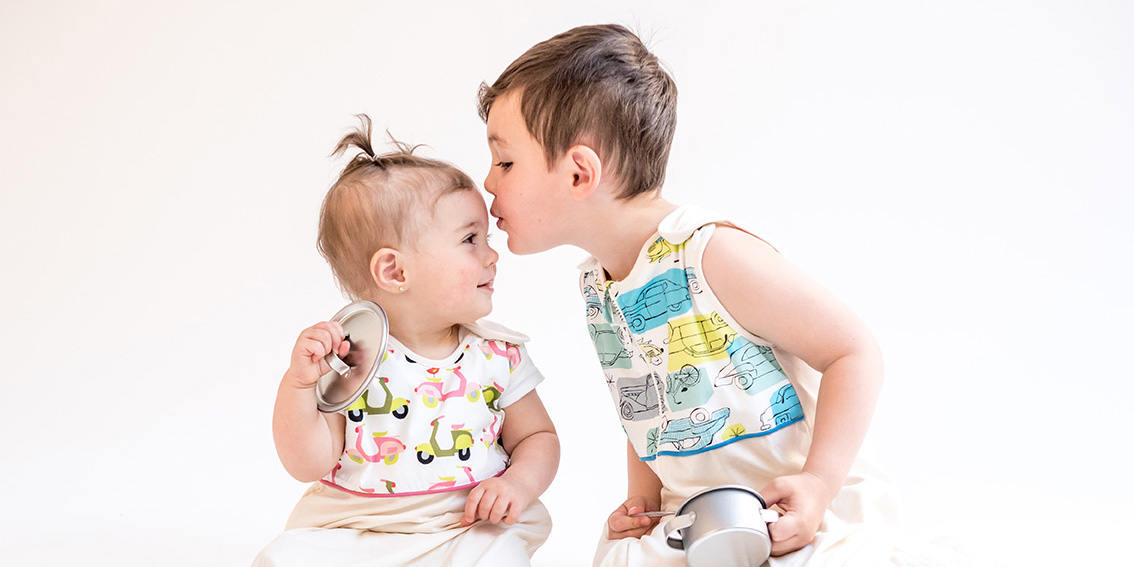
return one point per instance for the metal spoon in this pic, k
(657, 514)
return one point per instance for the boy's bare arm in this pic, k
(533, 447)
(309, 442)
(643, 494)
(775, 300)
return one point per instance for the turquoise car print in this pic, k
(609, 347)
(753, 368)
(594, 302)
(654, 303)
(785, 409)
(694, 432)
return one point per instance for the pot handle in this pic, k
(672, 535)
(769, 516)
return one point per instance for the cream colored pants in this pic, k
(332, 527)
(859, 530)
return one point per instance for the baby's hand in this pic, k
(496, 499)
(307, 363)
(620, 525)
(803, 498)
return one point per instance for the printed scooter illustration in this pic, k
(451, 481)
(399, 407)
(387, 447)
(462, 441)
(431, 390)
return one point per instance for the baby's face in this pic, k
(450, 272)
(527, 194)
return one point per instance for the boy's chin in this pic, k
(518, 247)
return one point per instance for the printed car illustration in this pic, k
(652, 304)
(594, 302)
(660, 249)
(785, 408)
(638, 397)
(694, 283)
(609, 347)
(753, 367)
(696, 431)
(698, 337)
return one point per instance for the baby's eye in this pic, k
(505, 165)
(470, 239)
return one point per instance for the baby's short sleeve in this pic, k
(523, 377)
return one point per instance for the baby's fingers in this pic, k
(500, 511)
(472, 503)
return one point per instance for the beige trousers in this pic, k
(332, 527)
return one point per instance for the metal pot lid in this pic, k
(368, 330)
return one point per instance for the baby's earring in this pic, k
(402, 287)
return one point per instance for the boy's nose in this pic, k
(489, 183)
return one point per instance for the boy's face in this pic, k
(529, 199)
(451, 267)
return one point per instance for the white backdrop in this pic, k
(959, 172)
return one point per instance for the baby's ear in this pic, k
(386, 270)
(585, 168)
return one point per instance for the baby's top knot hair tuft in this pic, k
(361, 138)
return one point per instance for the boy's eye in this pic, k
(505, 165)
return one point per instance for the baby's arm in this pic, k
(309, 442)
(773, 299)
(643, 494)
(529, 438)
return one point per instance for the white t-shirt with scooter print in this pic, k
(425, 426)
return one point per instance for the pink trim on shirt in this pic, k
(418, 493)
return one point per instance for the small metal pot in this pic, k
(723, 526)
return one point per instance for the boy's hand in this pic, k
(496, 499)
(315, 342)
(803, 498)
(620, 525)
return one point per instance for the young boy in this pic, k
(713, 345)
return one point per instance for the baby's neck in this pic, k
(435, 344)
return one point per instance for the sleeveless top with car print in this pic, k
(684, 381)
(425, 426)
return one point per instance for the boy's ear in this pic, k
(585, 168)
(386, 270)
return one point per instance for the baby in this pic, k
(442, 458)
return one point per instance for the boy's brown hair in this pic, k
(377, 203)
(597, 85)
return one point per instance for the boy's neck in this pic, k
(621, 230)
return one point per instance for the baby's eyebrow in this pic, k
(494, 139)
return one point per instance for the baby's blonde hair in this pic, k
(378, 202)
